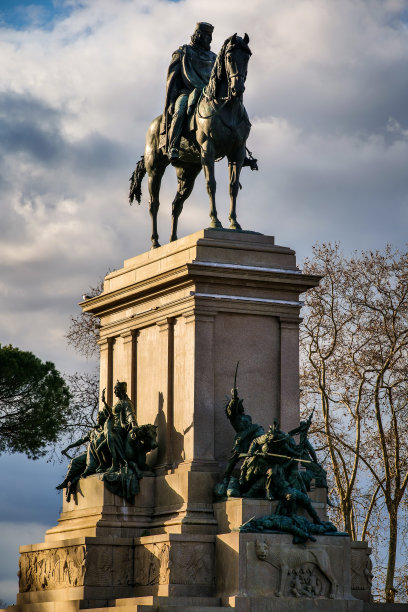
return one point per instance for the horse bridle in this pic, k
(227, 99)
(236, 74)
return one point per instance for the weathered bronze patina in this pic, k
(270, 470)
(313, 469)
(301, 529)
(246, 432)
(189, 72)
(204, 120)
(116, 449)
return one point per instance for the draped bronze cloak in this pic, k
(190, 69)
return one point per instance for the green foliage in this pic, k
(34, 403)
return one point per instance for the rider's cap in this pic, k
(204, 27)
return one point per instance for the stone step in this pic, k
(161, 600)
(180, 607)
(174, 604)
(161, 608)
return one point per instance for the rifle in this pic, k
(280, 456)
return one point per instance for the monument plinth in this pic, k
(174, 322)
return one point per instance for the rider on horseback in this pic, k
(188, 74)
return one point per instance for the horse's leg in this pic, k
(207, 162)
(235, 162)
(155, 176)
(186, 177)
(155, 163)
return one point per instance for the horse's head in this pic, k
(148, 437)
(236, 57)
(230, 68)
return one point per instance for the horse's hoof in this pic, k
(155, 245)
(234, 225)
(215, 223)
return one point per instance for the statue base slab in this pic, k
(289, 604)
(235, 511)
(95, 511)
(170, 503)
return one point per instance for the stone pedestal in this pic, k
(173, 324)
(95, 511)
(267, 572)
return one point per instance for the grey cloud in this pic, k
(347, 71)
(31, 127)
(97, 154)
(30, 139)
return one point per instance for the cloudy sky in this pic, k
(80, 80)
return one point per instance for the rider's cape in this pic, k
(189, 71)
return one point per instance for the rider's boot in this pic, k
(176, 127)
(63, 484)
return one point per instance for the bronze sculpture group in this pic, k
(203, 121)
(270, 469)
(116, 449)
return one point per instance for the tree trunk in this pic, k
(392, 553)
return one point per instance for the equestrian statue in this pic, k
(204, 120)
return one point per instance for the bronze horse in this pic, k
(220, 128)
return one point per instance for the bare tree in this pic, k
(84, 389)
(83, 332)
(354, 343)
(83, 335)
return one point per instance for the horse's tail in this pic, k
(135, 189)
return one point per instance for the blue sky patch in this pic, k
(25, 14)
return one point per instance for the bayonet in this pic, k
(235, 390)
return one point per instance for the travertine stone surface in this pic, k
(242, 603)
(174, 564)
(95, 511)
(101, 569)
(269, 565)
(183, 502)
(179, 502)
(76, 569)
(361, 571)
